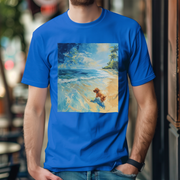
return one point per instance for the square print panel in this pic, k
(87, 77)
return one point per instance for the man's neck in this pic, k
(84, 14)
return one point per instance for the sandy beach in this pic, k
(76, 95)
(111, 102)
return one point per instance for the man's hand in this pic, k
(43, 174)
(127, 169)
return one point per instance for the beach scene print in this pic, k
(87, 77)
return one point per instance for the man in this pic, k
(85, 54)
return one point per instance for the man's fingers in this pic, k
(54, 177)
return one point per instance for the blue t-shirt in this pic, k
(87, 67)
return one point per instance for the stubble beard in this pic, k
(82, 2)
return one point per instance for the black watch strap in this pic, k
(135, 163)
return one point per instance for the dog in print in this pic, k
(98, 94)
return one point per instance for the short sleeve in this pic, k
(140, 70)
(36, 72)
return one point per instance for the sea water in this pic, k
(75, 89)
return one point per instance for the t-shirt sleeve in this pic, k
(36, 72)
(140, 70)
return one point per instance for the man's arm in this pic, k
(34, 120)
(34, 123)
(146, 120)
(145, 125)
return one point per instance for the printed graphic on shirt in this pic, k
(87, 77)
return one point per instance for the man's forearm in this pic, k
(33, 136)
(144, 131)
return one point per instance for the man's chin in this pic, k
(82, 2)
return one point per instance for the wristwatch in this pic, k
(140, 166)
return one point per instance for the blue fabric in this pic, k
(87, 127)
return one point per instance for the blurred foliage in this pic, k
(10, 25)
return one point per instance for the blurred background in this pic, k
(160, 23)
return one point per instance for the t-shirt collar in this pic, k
(82, 25)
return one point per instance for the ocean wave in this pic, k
(81, 78)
